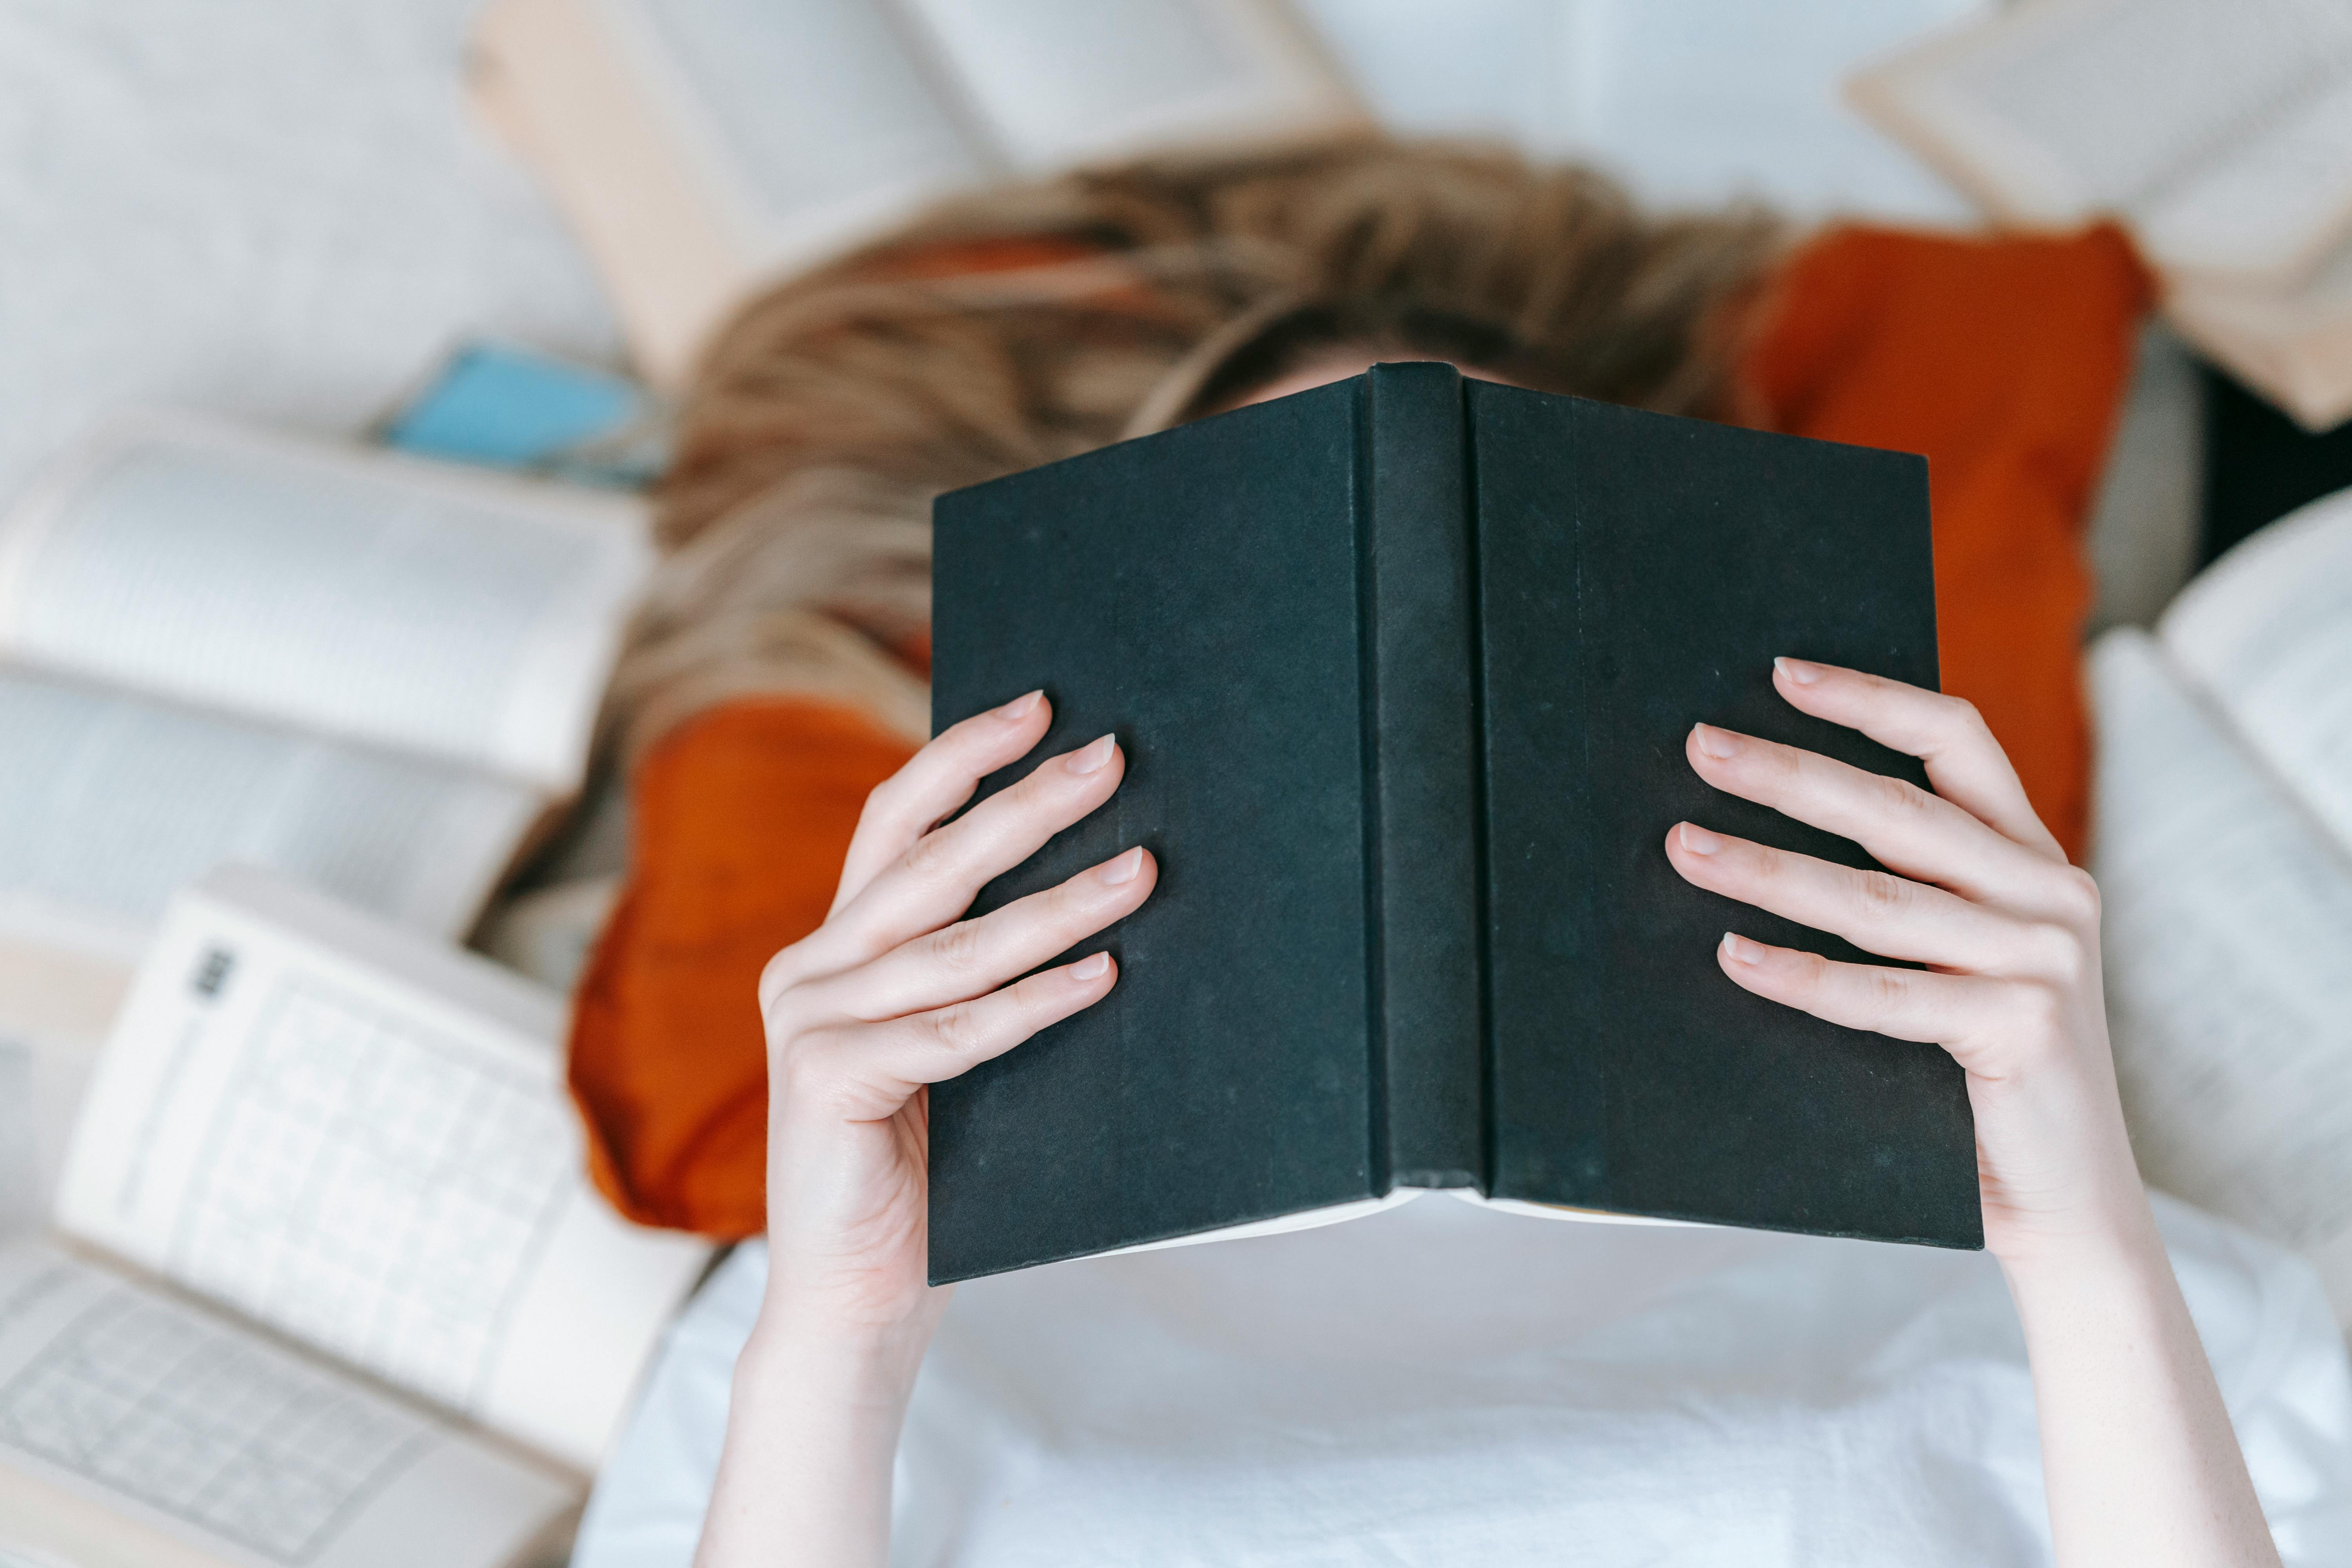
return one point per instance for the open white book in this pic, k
(2221, 134)
(2294, 345)
(702, 149)
(371, 672)
(2225, 853)
(350, 1144)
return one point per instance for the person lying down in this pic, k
(2117, 1379)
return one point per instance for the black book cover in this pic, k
(1404, 667)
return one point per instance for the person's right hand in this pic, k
(895, 991)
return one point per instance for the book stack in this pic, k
(327, 1283)
(2220, 136)
(370, 673)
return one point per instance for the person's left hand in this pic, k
(1978, 892)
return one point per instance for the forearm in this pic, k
(811, 1432)
(2138, 1453)
(893, 993)
(2141, 1465)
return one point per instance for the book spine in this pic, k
(1422, 784)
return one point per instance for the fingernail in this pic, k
(1698, 840)
(1090, 758)
(1798, 671)
(1090, 967)
(1121, 867)
(1739, 949)
(1019, 707)
(1715, 742)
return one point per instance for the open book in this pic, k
(2221, 134)
(1410, 776)
(370, 672)
(701, 150)
(351, 1143)
(2225, 853)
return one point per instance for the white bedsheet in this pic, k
(1443, 1384)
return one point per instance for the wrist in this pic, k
(2062, 1191)
(2109, 1243)
(813, 1427)
(857, 1364)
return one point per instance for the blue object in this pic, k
(512, 408)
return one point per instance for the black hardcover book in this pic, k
(1404, 667)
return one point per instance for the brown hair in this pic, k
(1038, 321)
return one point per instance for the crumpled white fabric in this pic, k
(1445, 1384)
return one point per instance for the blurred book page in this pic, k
(381, 598)
(550, 79)
(2228, 917)
(1061, 81)
(2267, 209)
(2267, 631)
(807, 121)
(704, 148)
(360, 1140)
(2175, 112)
(121, 1395)
(108, 805)
(2294, 346)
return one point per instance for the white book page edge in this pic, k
(1338, 1213)
(2294, 345)
(1561, 1211)
(1281, 1224)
